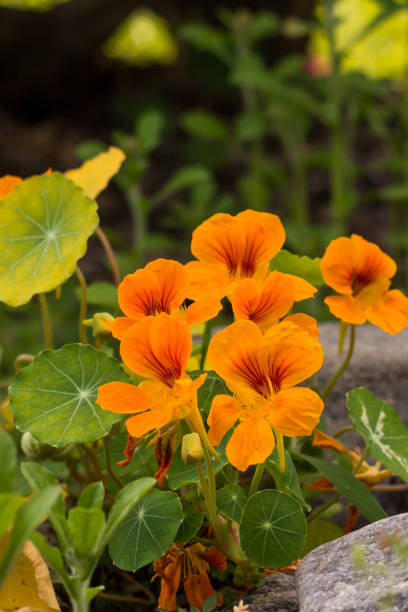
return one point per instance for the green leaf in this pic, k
(210, 603)
(85, 524)
(92, 592)
(207, 39)
(38, 477)
(148, 129)
(51, 554)
(183, 179)
(205, 125)
(192, 521)
(54, 397)
(27, 518)
(8, 462)
(9, 505)
(100, 294)
(148, 531)
(383, 431)
(125, 501)
(213, 385)
(320, 531)
(45, 224)
(273, 529)
(288, 481)
(350, 486)
(305, 267)
(92, 496)
(231, 501)
(181, 474)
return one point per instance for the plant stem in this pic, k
(343, 430)
(110, 254)
(390, 488)
(256, 480)
(344, 365)
(46, 320)
(210, 479)
(361, 460)
(125, 598)
(281, 450)
(205, 343)
(78, 598)
(82, 310)
(109, 465)
(138, 218)
(323, 508)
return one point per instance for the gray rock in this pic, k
(277, 593)
(364, 571)
(379, 363)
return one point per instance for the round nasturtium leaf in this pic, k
(192, 521)
(148, 530)
(231, 501)
(54, 397)
(273, 529)
(45, 223)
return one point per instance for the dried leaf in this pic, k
(94, 175)
(28, 588)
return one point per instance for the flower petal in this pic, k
(7, 184)
(251, 443)
(158, 347)
(303, 289)
(297, 411)
(206, 281)
(266, 306)
(120, 326)
(225, 411)
(198, 588)
(346, 308)
(350, 263)
(306, 322)
(142, 424)
(202, 311)
(390, 313)
(123, 398)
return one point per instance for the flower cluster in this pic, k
(262, 356)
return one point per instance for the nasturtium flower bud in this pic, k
(34, 449)
(191, 448)
(100, 328)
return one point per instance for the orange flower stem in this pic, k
(256, 480)
(110, 254)
(46, 319)
(82, 310)
(205, 343)
(343, 430)
(343, 366)
(281, 450)
(323, 508)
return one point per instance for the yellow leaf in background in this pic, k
(94, 175)
(28, 588)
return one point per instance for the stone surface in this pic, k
(364, 571)
(379, 363)
(277, 593)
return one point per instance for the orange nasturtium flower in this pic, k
(362, 273)
(193, 562)
(7, 184)
(161, 286)
(157, 348)
(230, 249)
(262, 371)
(265, 305)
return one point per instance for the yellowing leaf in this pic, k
(28, 587)
(94, 175)
(45, 222)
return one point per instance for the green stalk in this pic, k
(205, 343)
(256, 480)
(343, 366)
(110, 254)
(138, 219)
(46, 320)
(82, 311)
(323, 508)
